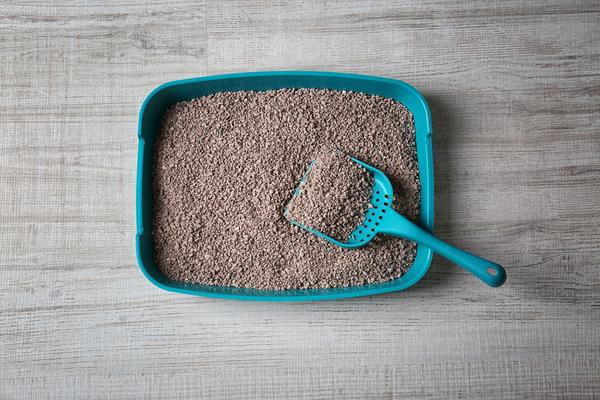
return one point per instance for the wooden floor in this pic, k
(514, 88)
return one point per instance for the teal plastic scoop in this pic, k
(381, 218)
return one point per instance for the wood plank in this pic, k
(514, 89)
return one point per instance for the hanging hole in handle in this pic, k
(492, 271)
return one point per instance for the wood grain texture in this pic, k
(514, 89)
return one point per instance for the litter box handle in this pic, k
(489, 272)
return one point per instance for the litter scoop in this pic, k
(381, 218)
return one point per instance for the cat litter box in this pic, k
(162, 97)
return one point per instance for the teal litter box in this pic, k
(169, 93)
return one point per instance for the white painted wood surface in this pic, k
(514, 89)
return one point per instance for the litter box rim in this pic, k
(172, 92)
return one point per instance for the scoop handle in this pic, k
(395, 224)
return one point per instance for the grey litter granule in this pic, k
(334, 195)
(225, 167)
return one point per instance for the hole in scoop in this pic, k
(492, 271)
